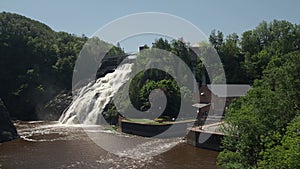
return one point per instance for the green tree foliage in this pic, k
(146, 81)
(36, 63)
(244, 59)
(287, 153)
(216, 39)
(162, 44)
(172, 92)
(256, 124)
(230, 54)
(267, 40)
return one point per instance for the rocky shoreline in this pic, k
(7, 129)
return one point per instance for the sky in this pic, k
(86, 17)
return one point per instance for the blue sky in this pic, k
(86, 17)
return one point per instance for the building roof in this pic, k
(200, 105)
(233, 90)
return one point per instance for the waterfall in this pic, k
(92, 98)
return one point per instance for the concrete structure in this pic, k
(211, 110)
(179, 129)
(211, 132)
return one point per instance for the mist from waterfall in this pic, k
(90, 101)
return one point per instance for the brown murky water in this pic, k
(49, 145)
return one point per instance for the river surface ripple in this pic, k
(52, 145)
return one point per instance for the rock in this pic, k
(55, 107)
(7, 129)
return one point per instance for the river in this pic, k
(52, 145)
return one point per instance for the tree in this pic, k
(181, 50)
(256, 123)
(287, 153)
(265, 41)
(162, 44)
(216, 39)
(172, 92)
(37, 63)
(146, 81)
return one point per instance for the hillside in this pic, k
(36, 64)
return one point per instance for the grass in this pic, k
(111, 128)
(149, 121)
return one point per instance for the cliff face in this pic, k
(7, 129)
(55, 107)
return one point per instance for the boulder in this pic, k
(7, 129)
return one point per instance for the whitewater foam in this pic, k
(92, 98)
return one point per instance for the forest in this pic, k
(262, 128)
(37, 64)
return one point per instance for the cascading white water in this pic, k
(93, 98)
(87, 108)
